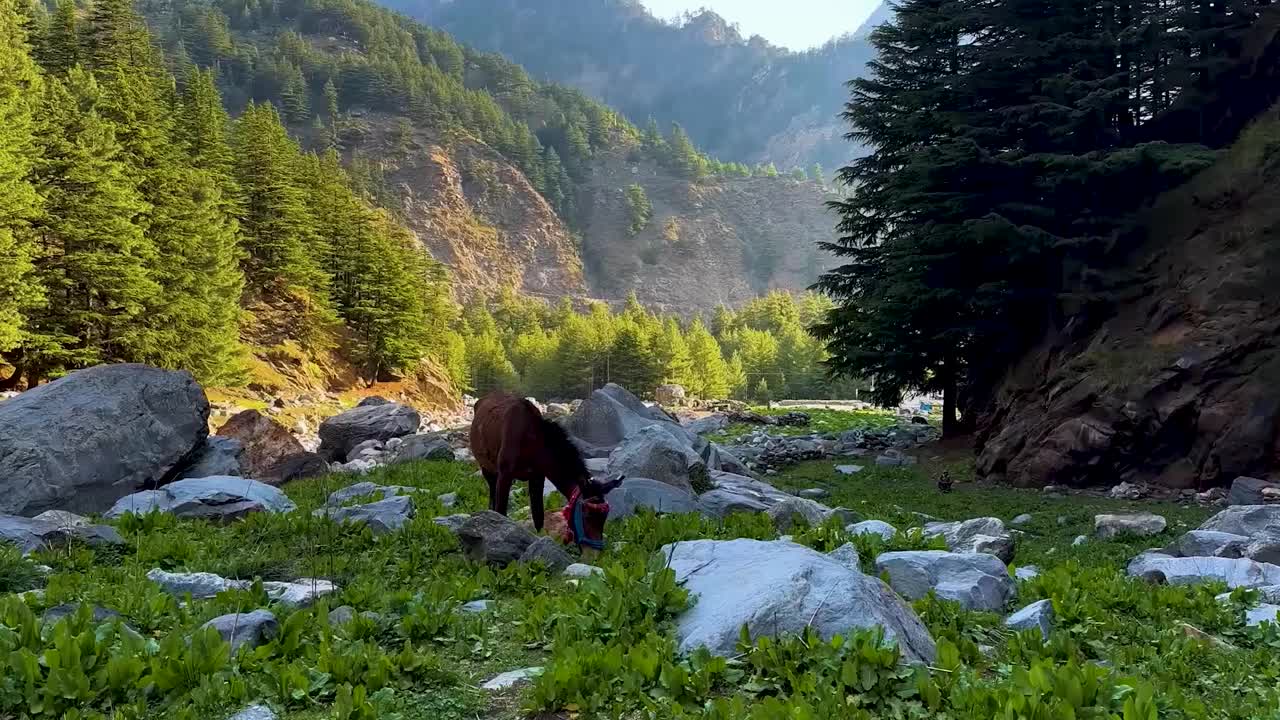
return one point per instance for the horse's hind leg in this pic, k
(535, 501)
(491, 478)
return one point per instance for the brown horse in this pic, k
(512, 442)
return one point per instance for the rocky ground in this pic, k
(381, 590)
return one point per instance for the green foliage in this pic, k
(639, 211)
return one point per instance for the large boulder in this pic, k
(611, 415)
(779, 588)
(1210, 543)
(83, 441)
(271, 452)
(669, 395)
(979, 535)
(713, 423)
(494, 539)
(789, 513)
(342, 432)
(30, 534)
(213, 498)
(1258, 522)
(638, 492)
(732, 493)
(1235, 572)
(1142, 524)
(655, 453)
(218, 456)
(976, 581)
(1252, 491)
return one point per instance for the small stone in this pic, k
(477, 606)
(1027, 572)
(1022, 519)
(873, 527)
(512, 678)
(582, 570)
(1143, 524)
(813, 493)
(1036, 615)
(254, 712)
(245, 629)
(448, 499)
(848, 469)
(1080, 540)
(548, 552)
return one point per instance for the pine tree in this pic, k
(94, 255)
(20, 87)
(59, 48)
(331, 111)
(684, 156)
(639, 210)
(818, 174)
(632, 360)
(709, 373)
(672, 353)
(294, 98)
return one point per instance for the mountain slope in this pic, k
(740, 98)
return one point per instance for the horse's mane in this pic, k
(561, 446)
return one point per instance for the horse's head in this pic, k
(591, 512)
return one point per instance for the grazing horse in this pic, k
(512, 441)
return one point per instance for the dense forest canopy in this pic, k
(740, 98)
(1014, 145)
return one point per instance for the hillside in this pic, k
(740, 98)
(509, 183)
(1178, 387)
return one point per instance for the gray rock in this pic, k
(738, 493)
(1249, 491)
(1234, 572)
(1022, 519)
(367, 450)
(597, 466)
(212, 498)
(777, 588)
(63, 519)
(254, 712)
(976, 581)
(453, 523)
(611, 415)
(365, 489)
(556, 410)
(847, 555)
(582, 570)
(382, 517)
(345, 613)
(424, 447)
(448, 500)
(491, 538)
(1143, 524)
(373, 401)
(638, 492)
(655, 453)
(30, 534)
(791, 512)
(1036, 615)
(218, 456)
(477, 606)
(245, 629)
(1026, 572)
(1265, 612)
(512, 678)
(1080, 540)
(548, 552)
(84, 440)
(302, 592)
(893, 458)
(1127, 491)
(713, 423)
(343, 432)
(100, 614)
(873, 527)
(1210, 543)
(848, 469)
(813, 493)
(201, 585)
(979, 535)
(1264, 551)
(297, 467)
(1257, 522)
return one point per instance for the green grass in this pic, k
(1120, 648)
(822, 421)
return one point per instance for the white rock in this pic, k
(1185, 571)
(477, 606)
(254, 712)
(1265, 612)
(873, 527)
(848, 469)
(512, 678)
(1210, 543)
(976, 581)
(1022, 519)
(1036, 615)
(777, 588)
(1139, 524)
(1027, 572)
(582, 570)
(979, 535)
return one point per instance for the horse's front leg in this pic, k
(491, 479)
(535, 501)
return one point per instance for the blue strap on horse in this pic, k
(574, 511)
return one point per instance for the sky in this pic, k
(794, 24)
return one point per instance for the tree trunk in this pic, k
(950, 420)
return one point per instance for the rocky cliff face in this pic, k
(722, 241)
(1181, 384)
(479, 215)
